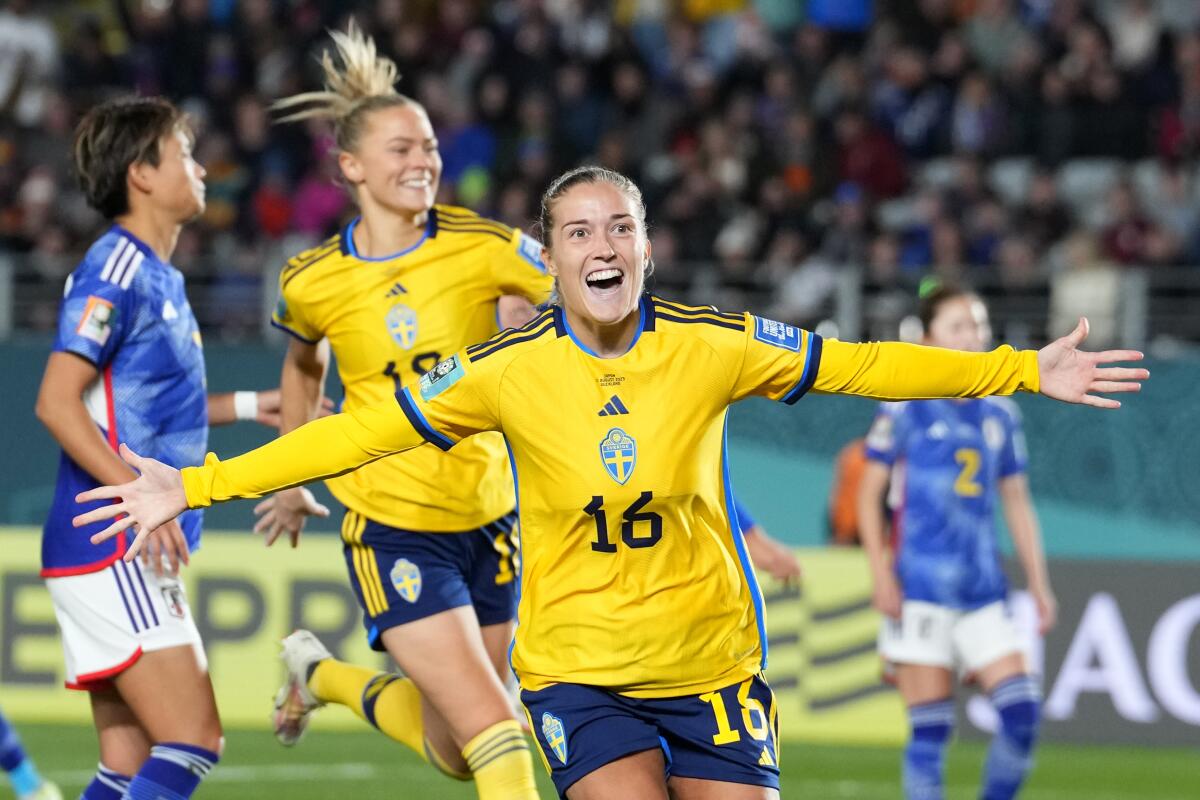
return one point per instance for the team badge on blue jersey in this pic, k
(406, 577)
(556, 735)
(443, 375)
(530, 249)
(618, 452)
(402, 325)
(778, 334)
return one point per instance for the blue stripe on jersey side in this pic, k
(418, 421)
(292, 333)
(124, 599)
(740, 542)
(512, 463)
(694, 320)
(137, 569)
(351, 250)
(812, 363)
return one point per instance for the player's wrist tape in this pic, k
(245, 405)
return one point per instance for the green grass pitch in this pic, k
(366, 766)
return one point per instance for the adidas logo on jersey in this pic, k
(396, 289)
(613, 408)
(169, 311)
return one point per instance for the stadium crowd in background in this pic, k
(780, 140)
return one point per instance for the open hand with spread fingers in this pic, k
(1071, 375)
(150, 501)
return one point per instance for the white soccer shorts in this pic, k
(110, 617)
(939, 636)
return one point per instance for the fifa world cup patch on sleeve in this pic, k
(778, 334)
(530, 249)
(97, 320)
(443, 375)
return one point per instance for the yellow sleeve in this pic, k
(519, 269)
(784, 362)
(898, 371)
(442, 409)
(290, 313)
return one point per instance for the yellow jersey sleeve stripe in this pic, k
(526, 336)
(418, 421)
(291, 276)
(453, 217)
(812, 365)
(679, 308)
(505, 335)
(707, 319)
(313, 253)
(275, 323)
(506, 237)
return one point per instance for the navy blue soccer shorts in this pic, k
(401, 576)
(727, 735)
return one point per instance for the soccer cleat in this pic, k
(47, 791)
(294, 702)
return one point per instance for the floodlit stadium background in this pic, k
(810, 161)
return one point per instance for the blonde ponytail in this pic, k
(365, 81)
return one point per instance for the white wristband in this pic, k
(245, 405)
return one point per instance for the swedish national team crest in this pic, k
(618, 452)
(406, 577)
(556, 736)
(402, 325)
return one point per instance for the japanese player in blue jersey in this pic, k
(128, 366)
(640, 637)
(428, 537)
(940, 584)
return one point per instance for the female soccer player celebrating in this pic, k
(943, 590)
(427, 535)
(640, 635)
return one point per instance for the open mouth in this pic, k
(605, 280)
(417, 183)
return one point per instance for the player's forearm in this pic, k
(898, 371)
(1025, 531)
(323, 448)
(221, 409)
(72, 426)
(871, 520)
(300, 385)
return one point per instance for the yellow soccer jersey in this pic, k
(391, 319)
(634, 577)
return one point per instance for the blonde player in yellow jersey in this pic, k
(639, 643)
(427, 535)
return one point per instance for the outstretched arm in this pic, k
(321, 449)
(896, 371)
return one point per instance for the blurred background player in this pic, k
(767, 554)
(128, 366)
(941, 584)
(428, 536)
(26, 781)
(640, 639)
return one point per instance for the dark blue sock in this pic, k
(925, 754)
(1018, 701)
(12, 753)
(106, 784)
(172, 772)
